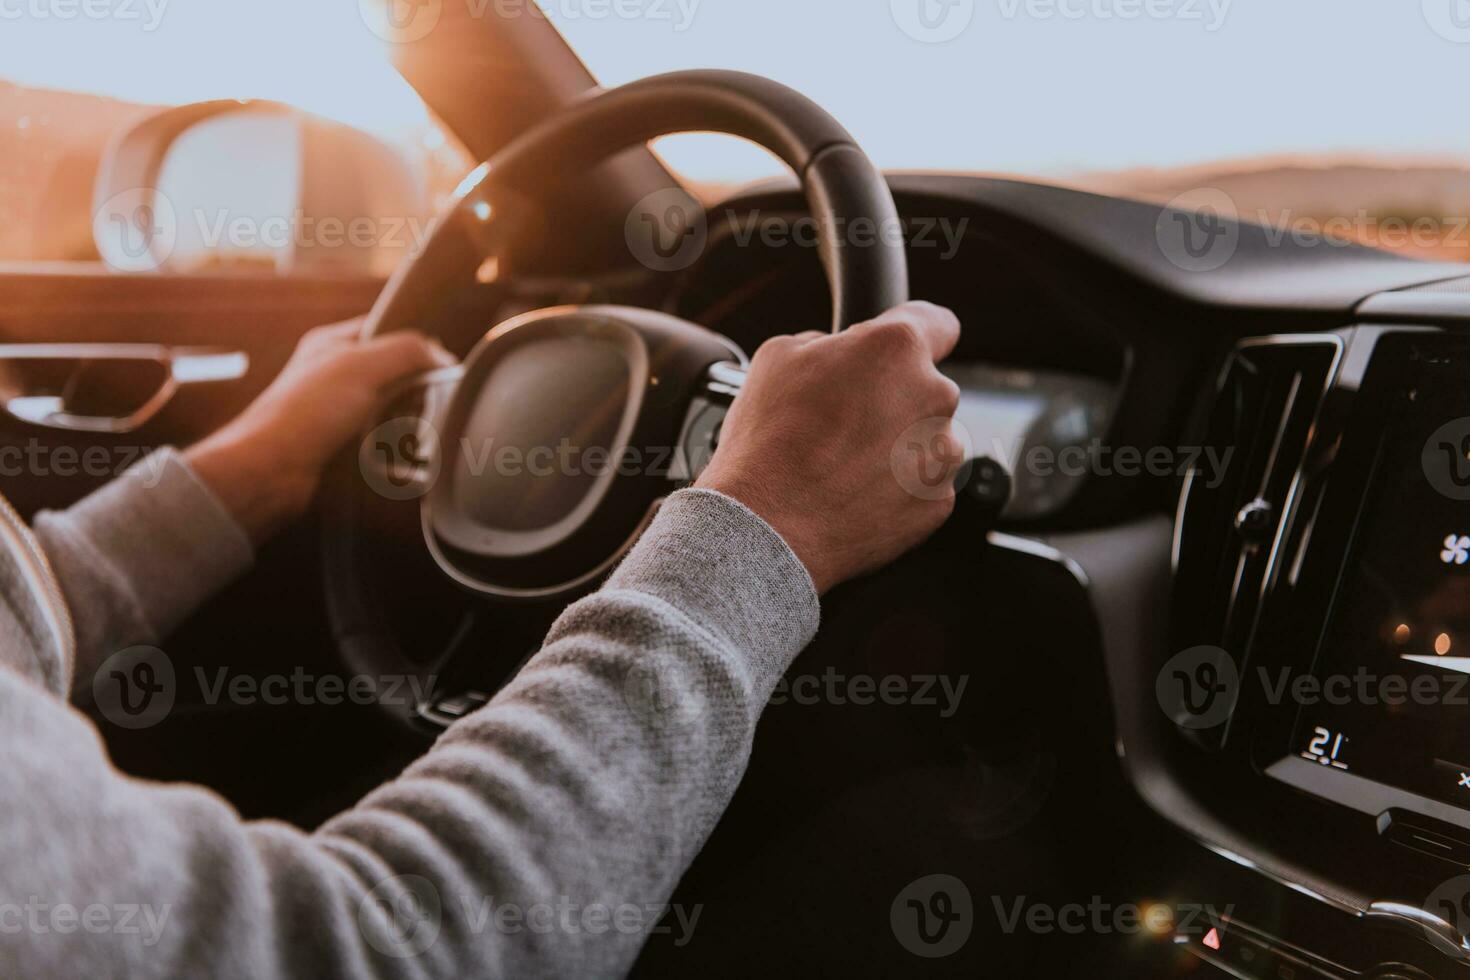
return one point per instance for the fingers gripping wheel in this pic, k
(600, 395)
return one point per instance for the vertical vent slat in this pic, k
(1262, 417)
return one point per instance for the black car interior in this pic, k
(1328, 838)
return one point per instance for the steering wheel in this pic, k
(626, 385)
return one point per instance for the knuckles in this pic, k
(775, 349)
(894, 336)
(942, 395)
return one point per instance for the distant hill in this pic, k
(1311, 186)
(1412, 206)
(51, 143)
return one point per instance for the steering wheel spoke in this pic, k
(481, 655)
(401, 451)
(699, 436)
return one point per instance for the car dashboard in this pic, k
(1264, 521)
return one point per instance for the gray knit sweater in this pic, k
(541, 836)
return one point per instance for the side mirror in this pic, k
(257, 186)
(104, 388)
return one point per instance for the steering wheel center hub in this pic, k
(559, 443)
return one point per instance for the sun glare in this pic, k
(320, 57)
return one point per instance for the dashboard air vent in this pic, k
(1237, 501)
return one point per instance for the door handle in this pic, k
(38, 387)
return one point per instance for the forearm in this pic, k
(138, 556)
(588, 784)
(249, 480)
(592, 781)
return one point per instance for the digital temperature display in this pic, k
(1391, 698)
(1325, 747)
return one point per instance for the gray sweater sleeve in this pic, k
(539, 836)
(139, 555)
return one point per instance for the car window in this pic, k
(52, 143)
(73, 78)
(247, 217)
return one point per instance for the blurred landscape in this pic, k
(1412, 206)
(52, 142)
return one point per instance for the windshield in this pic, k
(1068, 87)
(1335, 115)
(1313, 117)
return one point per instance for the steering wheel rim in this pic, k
(840, 183)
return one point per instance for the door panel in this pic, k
(263, 316)
(268, 760)
(299, 762)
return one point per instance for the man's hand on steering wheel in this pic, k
(809, 444)
(266, 465)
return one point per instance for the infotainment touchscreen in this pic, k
(1391, 698)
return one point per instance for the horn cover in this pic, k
(558, 445)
